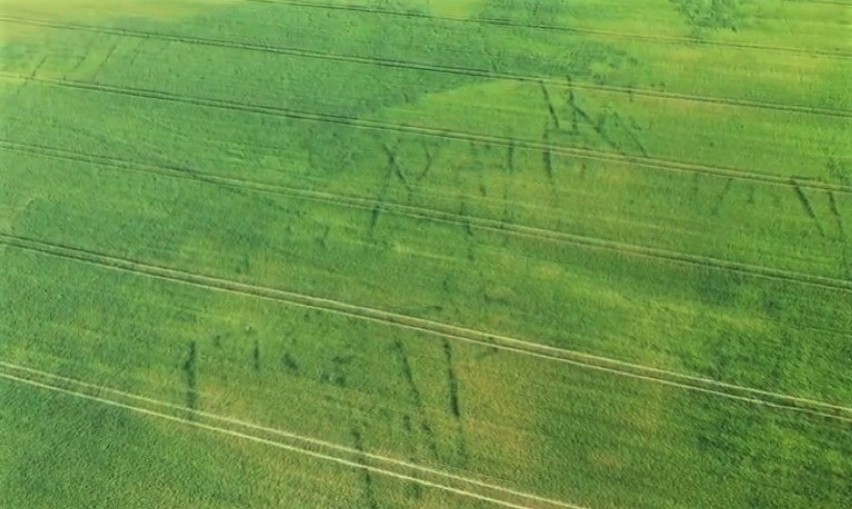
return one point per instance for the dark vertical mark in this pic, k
(38, 67)
(407, 373)
(430, 159)
(417, 399)
(630, 134)
(393, 161)
(547, 158)
(718, 207)
(190, 368)
(104, 62)
(136, 51)
(575, 124)
(369, 489)
(289, 363)
(322, 240)
(453, 381)
(751, 194)
(510, 157)
(256, 355)
(550, 106)
(468, 231)
(806, 205)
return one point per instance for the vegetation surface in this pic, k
(401, 253)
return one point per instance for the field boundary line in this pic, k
(427, 67)
(445, 134)
(293, 436)
(557, 28)
(439, 329)
(435, 215)
(273, 443)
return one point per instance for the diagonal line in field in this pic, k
(281, 445)
(439, 329)
(439, 133)
(672, 39)
(427, 67)
(303, 439)
(435, 215)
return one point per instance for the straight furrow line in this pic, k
(440, 329)
(436, 215)
(445, 134)
(297, 444)
(419, 66)
(671, 39)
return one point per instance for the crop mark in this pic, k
(393, 162)
(427, 166)
(571, 101)
(408, 375)
(190, 369)
(37, 68)
(452, 380)
(725, 190)
(464, 71)
(550, 107)
(256, 355)
(631, 134)
(289, 363)
(433, 132)
(369, 489)
(806, 205)
(106, 59)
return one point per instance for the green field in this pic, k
(425, 254)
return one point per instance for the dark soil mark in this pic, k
(393, 161)
(547, 159)
(453, 381)
(550, 107)
(718, 207)
(806, 205)
(289, 363)
(575, 123)
(630, 134)
(322, 240)
(105, 61)
(417, 399)
(407, 374)
(36, 69)
(337, 374)
(256, 355)
(430, 160)
(510, 158)
(369, 487)
(190, 369)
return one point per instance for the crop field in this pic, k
(370, 254)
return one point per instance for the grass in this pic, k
(497, 178)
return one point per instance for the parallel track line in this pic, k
(439, 329)
(272, 443)
(672, 39)
(290, 435)
(445, 134)
(426, 67)
(436, 215)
